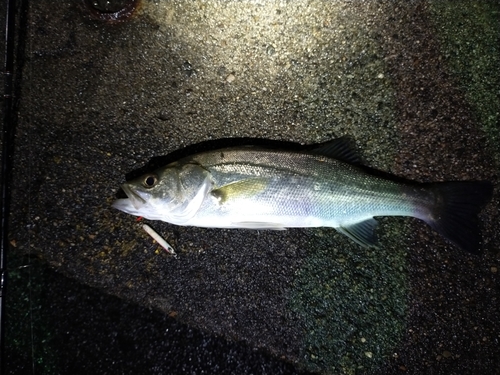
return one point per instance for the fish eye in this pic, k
(150, 181)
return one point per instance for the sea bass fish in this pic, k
(259, 188)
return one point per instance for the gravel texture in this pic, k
(414, 84)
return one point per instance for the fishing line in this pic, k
(29, 36)
(6, 167)
(12, 79)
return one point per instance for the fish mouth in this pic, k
(135, 199)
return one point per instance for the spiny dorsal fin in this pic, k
(341, 149)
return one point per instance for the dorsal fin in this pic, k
(340, 148)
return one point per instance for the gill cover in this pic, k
(194, 183)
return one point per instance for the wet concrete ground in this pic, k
(414, 85)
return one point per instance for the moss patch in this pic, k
(353, 304)
(469, 34)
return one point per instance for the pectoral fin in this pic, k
(362, 233)
(240, 189)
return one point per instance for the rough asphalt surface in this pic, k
(414, 85)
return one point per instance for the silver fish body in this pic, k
(252, 187)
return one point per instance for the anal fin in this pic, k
(362, 233)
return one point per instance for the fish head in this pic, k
(172, 194)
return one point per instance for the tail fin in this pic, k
(454, 215)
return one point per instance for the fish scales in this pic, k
(261, 188)
(303, 188)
